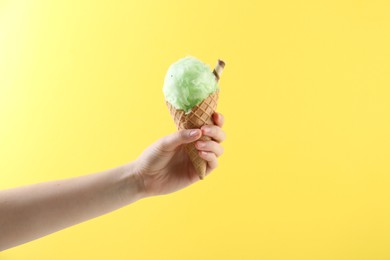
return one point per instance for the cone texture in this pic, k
(199, 116)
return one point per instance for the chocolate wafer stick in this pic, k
(218, 69)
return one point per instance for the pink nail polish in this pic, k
(193, 133)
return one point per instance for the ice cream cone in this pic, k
(199, 116)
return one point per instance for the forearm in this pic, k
(30, 212)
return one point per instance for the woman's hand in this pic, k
(164, 167)
(33, 211)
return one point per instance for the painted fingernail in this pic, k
(194, 133)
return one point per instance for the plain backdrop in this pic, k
(305, 93)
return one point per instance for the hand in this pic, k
(165, 167)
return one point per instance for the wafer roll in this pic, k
(218, 69)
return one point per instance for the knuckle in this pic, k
(222, 150)
(211, 129)
(163, 146)
(182, 134)
(162, 143)
(199, 144)
(215, 146)
(209, 156)
(214, 165)
(223, 136)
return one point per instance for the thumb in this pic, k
(172, 141)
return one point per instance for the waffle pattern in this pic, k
(199, 116)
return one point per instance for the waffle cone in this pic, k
(199, 116)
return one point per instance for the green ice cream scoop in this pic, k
(188, 82)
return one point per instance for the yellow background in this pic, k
(305, 93)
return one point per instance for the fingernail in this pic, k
(193, 133)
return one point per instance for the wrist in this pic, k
(133, 183)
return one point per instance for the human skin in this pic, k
(30, 212)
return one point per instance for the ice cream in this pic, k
(191, 94)
(188, 82)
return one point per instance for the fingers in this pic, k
(215, 132)
(218, 119)
(211, 159)
(210, 146)
(170, 142)
(211, 150)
